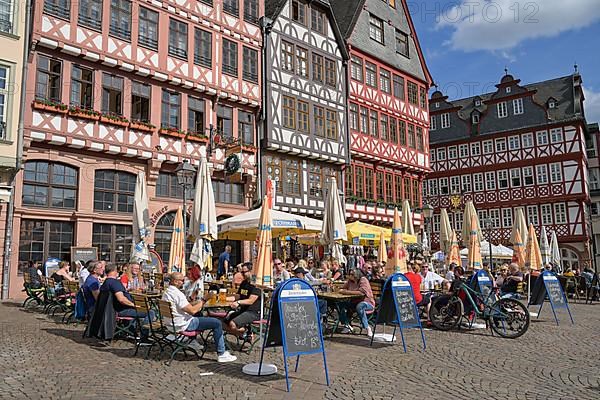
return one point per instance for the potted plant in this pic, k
(50, 106)
(170, 131)
(114, 119)
(84, 113)
(194, 136)
(141, 126)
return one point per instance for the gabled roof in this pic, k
(347, 14)
(274, 7)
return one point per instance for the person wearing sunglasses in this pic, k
(280, 274)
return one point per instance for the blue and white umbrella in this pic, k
(203, 223)
(141, 221)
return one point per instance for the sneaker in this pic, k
(226, 357)
(369, 332)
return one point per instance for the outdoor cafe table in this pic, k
(335, 300)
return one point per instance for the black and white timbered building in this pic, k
(305, 139)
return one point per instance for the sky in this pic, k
(468, 43)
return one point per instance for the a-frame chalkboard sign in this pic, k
(548, 284)
(397, 306)
(294, 324)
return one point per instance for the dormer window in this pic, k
(551, 104)
(475, 118)
(477, 103)
(437, 105)
(508, 89)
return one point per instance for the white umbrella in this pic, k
(544, 246)
(333, 231)
(203, 223)
(425, 241)
(555, 258)
(445, 231)
(519, 224)
(141, 220)
(407, 221)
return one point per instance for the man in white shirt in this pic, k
(430, 278)
(184, 320)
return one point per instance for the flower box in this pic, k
(196, 138)
(249, 148)
(50, 106)
(114, 121)
(141, 126)
(171, 132)
(84, 114)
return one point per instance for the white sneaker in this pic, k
(369, 332)
(195, 345)
(226, 357)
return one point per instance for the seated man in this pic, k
(123, 305)
(430, 279)
(300, 273)
(358, 284)
(184, 320)
(246, 305)
(511, 282)
(415, 279)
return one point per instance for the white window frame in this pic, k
(463, 151)
(488, 147)
(560, 213)
(518, 108)
(515, 173)
(502, 109)
(514, 143)
(475, 149)
(466, 183)
(478, 185)
(443, 182)
(556, 174)
(533, 215)
(5, 102)
(445, 120)
(546, 211)
(507, 217)
(542, 138)
(495, 217)
(528, 173)
(527, 140)
(11, 16)
(436, 223)
(452, 153)
(541, 173)
(455, 184)
(441, 155)
(490, 180)
(503, 176)
(432, 123)
(500, 145)
(556, 135)
(433, 187)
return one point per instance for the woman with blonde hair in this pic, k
(133, 279)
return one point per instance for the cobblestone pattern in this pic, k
(44, 359)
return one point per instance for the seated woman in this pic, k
(358, 284)
(336, 270)
(133, 279)
(511, 283)
(62, 273)
(193, 287)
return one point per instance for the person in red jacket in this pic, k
(415, 280)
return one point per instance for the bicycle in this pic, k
(507, 317)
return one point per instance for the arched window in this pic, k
(47, 184)
(569, 259)
(162, 237)
(114, 191)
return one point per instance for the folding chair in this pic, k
(34, 295)
(178, 341)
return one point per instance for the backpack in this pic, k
(80, 310)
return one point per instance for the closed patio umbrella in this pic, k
(177, 253)
(519, 251)
(398, 261)
(544, 246)
(446, 231)
(141, 220)
(520, 225)
(533, 256)
(407, 220)
(262, 268)
(555, 257)
(475, 261)
(470, 217)
(333, 232)
(382, 251)
(453, 251)
(203, 223)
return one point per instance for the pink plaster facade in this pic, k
(88, 145)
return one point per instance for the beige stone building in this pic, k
(14, 20)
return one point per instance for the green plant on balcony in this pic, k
(50, 105)
(141, 124)
(169, 130)
(113, 117)
(195, 135)
(84, 112)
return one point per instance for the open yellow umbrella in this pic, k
(519, 251)
(533, 255)
(398, 262)
(177, 253)
(382, 252)
(363, 233)
(264, 242)
(454, 251)
(475, 261)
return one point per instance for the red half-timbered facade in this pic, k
(120, 87)
(522, 146)
(388, 110)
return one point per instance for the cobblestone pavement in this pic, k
(44, 359)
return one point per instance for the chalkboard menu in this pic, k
(84, 254)
(301, 327)
(409, 315)
(554, 290)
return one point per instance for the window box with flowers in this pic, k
(114, 119)
(169, 131)
(248, 148)
(50, 106)
(193, 136)
(142, 126)
(84, 113)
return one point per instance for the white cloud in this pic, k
(592, 105)
(503, 24)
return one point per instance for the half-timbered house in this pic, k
(388, 115)
(119, 87)
(519, 146)
(305, 137)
